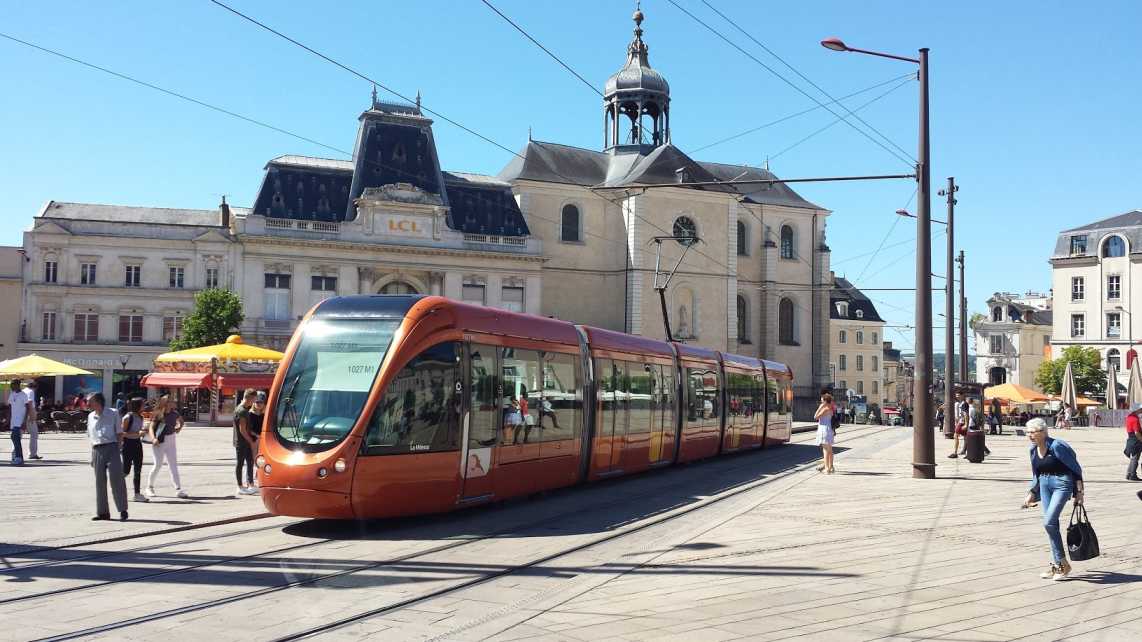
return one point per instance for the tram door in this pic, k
(482, 421)
(613, 418)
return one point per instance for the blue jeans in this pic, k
(17, 446)
(1054, 491)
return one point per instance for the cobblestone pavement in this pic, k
(753, 546)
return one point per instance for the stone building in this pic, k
(1096, 277)
(12, 263)
(855, 332)
(1014, 338)
(893, 392)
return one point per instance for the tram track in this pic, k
(669, 514)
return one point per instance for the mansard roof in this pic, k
(96, 212)
(844, 291)
(555, 163)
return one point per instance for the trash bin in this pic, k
(974, 444)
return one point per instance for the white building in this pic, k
(1096, 279)
(855, 333)
(1014, 338)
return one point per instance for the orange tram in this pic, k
(399, 405)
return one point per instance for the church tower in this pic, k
(636, 102)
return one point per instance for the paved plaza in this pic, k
(757, 546)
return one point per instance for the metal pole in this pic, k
(963, 323)
(950, 313)
(923, 439)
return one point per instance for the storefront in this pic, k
(111, 372)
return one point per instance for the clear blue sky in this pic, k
(1035, 106)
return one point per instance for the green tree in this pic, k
(1086, 364)
(217, 314)
(975, 319)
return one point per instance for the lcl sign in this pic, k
(409, 226)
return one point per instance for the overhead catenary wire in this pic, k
(747, 34)
(902, 158)
(891, 228)
(363, 76)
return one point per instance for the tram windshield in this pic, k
(329, 379)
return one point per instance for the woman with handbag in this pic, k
(1056, 476)
(164, 425)
(825, 433)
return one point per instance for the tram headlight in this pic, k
(267, 469)
(260, 461)
(340, 465)
(322, 472)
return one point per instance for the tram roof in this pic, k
(621, 342)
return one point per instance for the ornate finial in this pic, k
(374, 96)
(638, 13)
(418, 100)
(529, 133)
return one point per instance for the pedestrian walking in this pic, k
(19, 407)
(1063, 418)
(1133, 441)
(244, 444)
(132, 449)
(961, 421)
(1056, 477)
(825, 433)
(105, 431)
(162, 430)
(33, 421)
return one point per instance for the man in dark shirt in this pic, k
(243, 448)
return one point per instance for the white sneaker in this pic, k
(250, 490)
(139, 497)
(1050, 572)
(150, 492)
(182, 494)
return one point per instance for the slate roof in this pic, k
(891, 354)
(130, 214)
(556, 163)
(1128, 224)
(843, 290)
(300, 187)
(483, 205)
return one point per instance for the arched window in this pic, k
(743, 320)
(786, 242)
(860, 336)
(1013, 314)
(398, 287)
(860, 314)
(569, 225)
(743, 239)
(1113, 359)
(1113, 247)
(685, 230)
(842, 363)
(997, 313)
(785, 322)
(842, 337)
(997, 376)
(860, 362)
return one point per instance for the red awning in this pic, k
(261, 380)
(177, 380)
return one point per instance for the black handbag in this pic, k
(1082, 543)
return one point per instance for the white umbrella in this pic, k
(1134, 386)
(1068, 393)
(1111, 387)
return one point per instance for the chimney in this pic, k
(224, 209)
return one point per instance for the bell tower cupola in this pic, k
(636, 102)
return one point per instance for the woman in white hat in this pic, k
(1057, 477)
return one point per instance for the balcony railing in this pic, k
(495, 240)
(326, 227)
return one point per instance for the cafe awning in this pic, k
(233, 350)
(176, 380)
(1014, 393)
(239, 380)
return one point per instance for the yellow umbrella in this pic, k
(1014, 393)
(233, 350)
(33, 365)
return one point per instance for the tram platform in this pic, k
(756, 546)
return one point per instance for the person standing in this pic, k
(33, 424)
(254, 430)
(1056, 477)
(18, 408)
(105, 431)
(1133, 441)
(165, 424)
(244, 445)
(825, 433)
(961, 422)
(132, 449)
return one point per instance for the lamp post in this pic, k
(923, 439)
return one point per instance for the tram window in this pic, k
(759, 401)
(520, 402)
(741, 399)
(666, 394)
(561, 406)
(420, 410)
(641, 391)
(485, 396)
(702, 397)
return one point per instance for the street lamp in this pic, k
(923, 440)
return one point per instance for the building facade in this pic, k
(1013, 339)
(12, 261)
(1096, 276)
(562, 231)
(892, 383)
(855, 333)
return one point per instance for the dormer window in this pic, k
(860, 314)
(1078, 245)
(997, 314)
(843, 309)
(399, 153)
